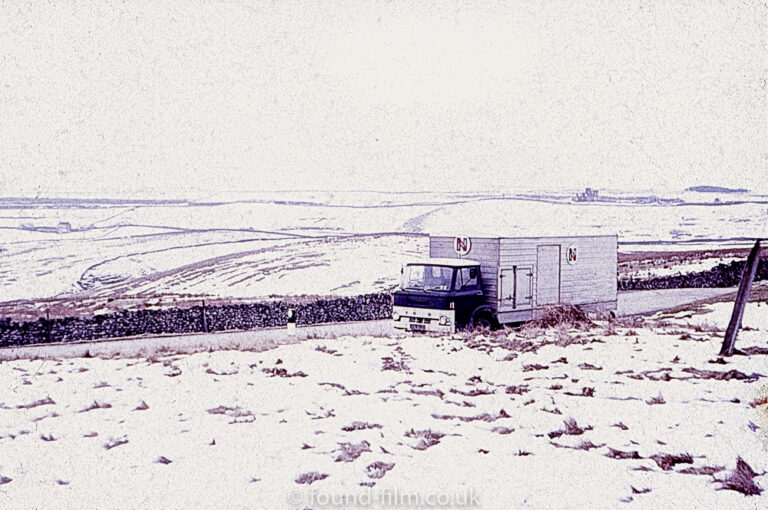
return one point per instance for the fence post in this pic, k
(205, 319)
(742, 296)
(47, 326)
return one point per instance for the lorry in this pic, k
(492, 281)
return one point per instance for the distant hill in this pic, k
(715, 189)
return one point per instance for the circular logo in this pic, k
(462, 245)
(571, 255)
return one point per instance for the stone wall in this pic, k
(722, 275)
(194, 320)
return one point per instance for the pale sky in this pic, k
(185, 97)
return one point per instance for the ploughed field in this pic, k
(635, 413)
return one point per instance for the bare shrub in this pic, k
(163, 460)
(141, 407)
(115, 442)
(213, 372)
(480, 417)
(5, 479)
(37, 403)
(360, 425)
(702, 470)
(752, 351)
(502, 430)
(588, 366)
(310, 478)
(667, 461)
(430, 393)
(517, 390)
(238, 414)
(618, 454)
(351, 451)
(586, 391)
(389, 363)
(620, 425)
(656, 400)
(640, 491)
(523, 453)
(741, 480)
(96, 405)
(427, 438)
(378, 469)
(720, 376)
(476, 392)
(588, 445)
(534, 366)
(571, 429)
(281, 372)
(47, 437)
(561, 314)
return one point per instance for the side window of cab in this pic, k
(467, 278)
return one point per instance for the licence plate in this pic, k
(418, 327)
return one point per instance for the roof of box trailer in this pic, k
(444, 262)
(527, 237)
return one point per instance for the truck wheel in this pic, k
(482, 321)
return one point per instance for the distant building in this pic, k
(589, 195)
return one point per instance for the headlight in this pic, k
(395, 316)
(443, 320)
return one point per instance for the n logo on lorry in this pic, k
(462, 245)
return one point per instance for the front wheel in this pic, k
(482, 321)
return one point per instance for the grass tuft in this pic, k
(351, 451)
(666, 461)
(742, 480)
(310, 478)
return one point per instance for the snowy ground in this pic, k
(480, 419)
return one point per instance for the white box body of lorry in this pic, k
(522, 275)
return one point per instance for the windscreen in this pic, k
(426, 277)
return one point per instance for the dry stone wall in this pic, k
(193, 320)
(722, 275)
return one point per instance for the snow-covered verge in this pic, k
(626, 413)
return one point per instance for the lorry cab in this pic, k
(438, 295)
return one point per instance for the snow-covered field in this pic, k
(316, 243)
(558, 418)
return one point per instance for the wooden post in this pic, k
(205, 319)
(742, 296)
(47, 326)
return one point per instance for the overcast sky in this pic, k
(186, 97)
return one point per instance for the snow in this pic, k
(240, 427)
